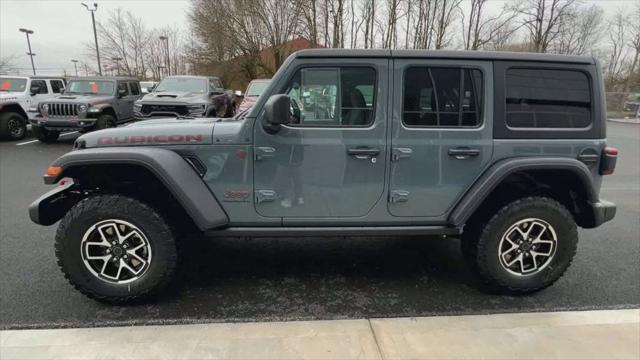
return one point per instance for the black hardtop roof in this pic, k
(444, 54)
(192, 76)
(104, 78)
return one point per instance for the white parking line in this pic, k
(32, 141)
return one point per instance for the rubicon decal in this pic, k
(155, 139)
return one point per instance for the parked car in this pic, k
(88, 103)
(147, 86)
(17, 95)
(187, 96)
(506, 151)
(632, 104)
(254, 90)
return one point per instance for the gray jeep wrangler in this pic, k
(504, 151)
(187, 96)
(87, 104)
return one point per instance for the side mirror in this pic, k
(34, 90)
(277, 111)
(122, 92)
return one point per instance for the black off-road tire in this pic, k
(101, 208)
(44, 135)
(481, 239)
(104, 121)
(12, 126)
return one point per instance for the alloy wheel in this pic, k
(15, 128)
(116, 251)
(527, 247)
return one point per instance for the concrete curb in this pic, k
(626, 121)
(558, 335)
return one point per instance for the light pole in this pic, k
(166, 41)
(75, 65)
(117, 60)
(30, 53)
(95, 34)
(160, 67)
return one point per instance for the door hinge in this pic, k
(263, 152)
(401, 153)
(398, 196)
(265, 196)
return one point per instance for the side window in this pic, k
(334, 96)
(42, 85)
(56, 86)
(135, 88)
(215, 84)
(544, 98)
(123, 86)
(442, 97)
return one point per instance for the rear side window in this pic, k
(442, 97)
(546, 98)
(135, 88)
(56, 86)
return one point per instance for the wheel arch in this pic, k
(16, 108)
(122, 166)
(565, 179)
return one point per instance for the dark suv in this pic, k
(87, 104)
(505, 151)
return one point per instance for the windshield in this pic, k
(182, 85)
(256, 88)
(90, 87)
(13, 84)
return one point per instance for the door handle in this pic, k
(461, 153)
(363, 153)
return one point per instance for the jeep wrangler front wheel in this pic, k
(44, 135)
(115, 249)
(12, 126)
(526, 246)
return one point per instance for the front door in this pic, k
(442, 133)
(331, 161)
(124, 102)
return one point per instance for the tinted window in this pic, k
(123, 86)
(90, 87)
(540, 98)
(12, 84)
(41, 84)
(135, 88)
(334, 97)
(56, 86)
(442, 97)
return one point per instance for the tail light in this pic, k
(609, 159)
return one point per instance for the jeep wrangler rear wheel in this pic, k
(115, 249)
(44, 135)
(12, 126)
(526, 246)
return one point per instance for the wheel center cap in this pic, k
(117, 251)
(525, 246)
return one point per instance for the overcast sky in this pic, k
(63, 27)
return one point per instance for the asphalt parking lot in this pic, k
(289, 279)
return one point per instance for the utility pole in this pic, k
(117, 60)
(160, 67)
(30, 53)
(95, 34)
(75, 65)
(86, 69)
(166, 41)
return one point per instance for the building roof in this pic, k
(444, 54)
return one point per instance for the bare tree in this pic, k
(480, 30)
(446, 14)
(634, 43)
(617, 43)
(543, 19)
(578, 33)
(8, 63)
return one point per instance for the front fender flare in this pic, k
(493, 176)
(170, 168)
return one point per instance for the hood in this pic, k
(170, 131)
(175, 96)
(81, 99)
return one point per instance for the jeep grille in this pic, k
(63, 109)
(167, 109)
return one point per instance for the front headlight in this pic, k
(82, 108)
(44, 107)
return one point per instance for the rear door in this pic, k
(442, 133)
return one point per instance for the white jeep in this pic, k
(17, 95)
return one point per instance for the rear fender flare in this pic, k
(499, 171)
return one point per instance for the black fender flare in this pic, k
(499, 171)
(170, 168)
